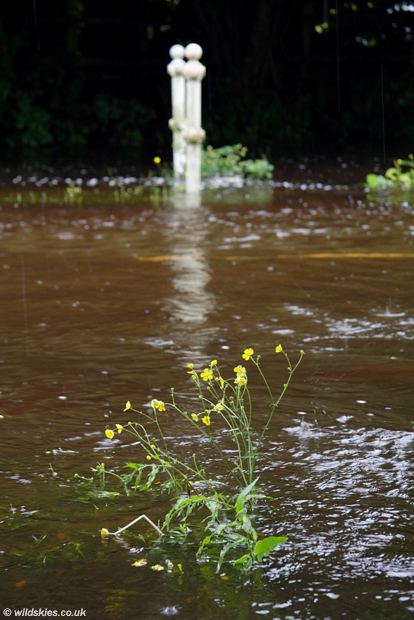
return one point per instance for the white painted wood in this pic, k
(186, 116)
(175, 69)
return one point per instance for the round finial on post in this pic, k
(177, 51)
(194, 69)
(177, 64)
(193, 51)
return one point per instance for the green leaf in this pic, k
(102, 494)
(151, 478)
(226, 548)
(392, 173)
(133, 465)
(406, 180)
(372, 180)
(266, 546)
(205, 542)
(248, 527)
(377, 181)
(245, 562)
(244, 495)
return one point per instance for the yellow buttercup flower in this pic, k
(157, 567)
(218, 407)
(127, 406)
(195, 417)
(157, 160)
(158, 404)
(109, 433)
(240, 371)
(279, 348)
(206, 420)
(247, 354)
(119, 428)
(207, 374)
(213, 363)
(148, 457)
(142, 562)
(104, 532)
(240, 380)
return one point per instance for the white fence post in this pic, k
(185, 123)
(194, 135)
(175, 69)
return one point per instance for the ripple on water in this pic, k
(347, 503)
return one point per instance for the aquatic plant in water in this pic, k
(225, 412)
(73, 193)
(400, 177)
(230, 161)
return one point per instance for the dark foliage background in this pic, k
(90, 75)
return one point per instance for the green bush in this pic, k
(399, 177)
(229, 161)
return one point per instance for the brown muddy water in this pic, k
(104, 303)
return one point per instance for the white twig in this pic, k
(135, 521)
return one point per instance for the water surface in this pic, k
(110, 302)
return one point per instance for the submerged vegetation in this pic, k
(224, 417)
(399, 178)
(221, 165)
(230, 161)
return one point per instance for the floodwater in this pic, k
(104, 303)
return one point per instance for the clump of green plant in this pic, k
(225, 419)
(400, 177)
(230, 161)
(73, 194)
